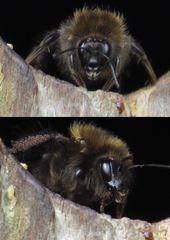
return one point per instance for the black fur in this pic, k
(71, 166)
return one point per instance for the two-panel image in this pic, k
(84, 121)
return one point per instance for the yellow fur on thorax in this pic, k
(95, 135)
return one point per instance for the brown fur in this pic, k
(96, 21)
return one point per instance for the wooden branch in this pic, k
(25, 91)
(30, 211)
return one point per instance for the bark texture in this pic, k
(30, 211)
(25, 91)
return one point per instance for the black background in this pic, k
(23, 23)
(148, 140)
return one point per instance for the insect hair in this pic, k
(90, 167)
(91, 50)
(72, 166)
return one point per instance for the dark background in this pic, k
(23, 23)
(148, 140)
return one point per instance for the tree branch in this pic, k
(30, 211)
(25, 91)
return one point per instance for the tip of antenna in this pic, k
(150, 165)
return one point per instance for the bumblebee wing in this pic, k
(139, 54)
(42, 54)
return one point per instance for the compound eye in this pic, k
(106, 48)
(106, 170)
(93, 45)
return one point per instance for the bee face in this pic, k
(108, 180)
(95, 38)
(90, 62)
(93, 55)
(116, 178)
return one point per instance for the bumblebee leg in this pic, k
(76, 77)
(108, 85)
(120, 207)
(138, 52)
(111, 82)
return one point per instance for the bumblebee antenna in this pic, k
(62, 52)
(150, 165)
(110, 82)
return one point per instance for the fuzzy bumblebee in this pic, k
(90, 50)
(91, 167)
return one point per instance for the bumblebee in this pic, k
(91, 50)
(91, 167)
